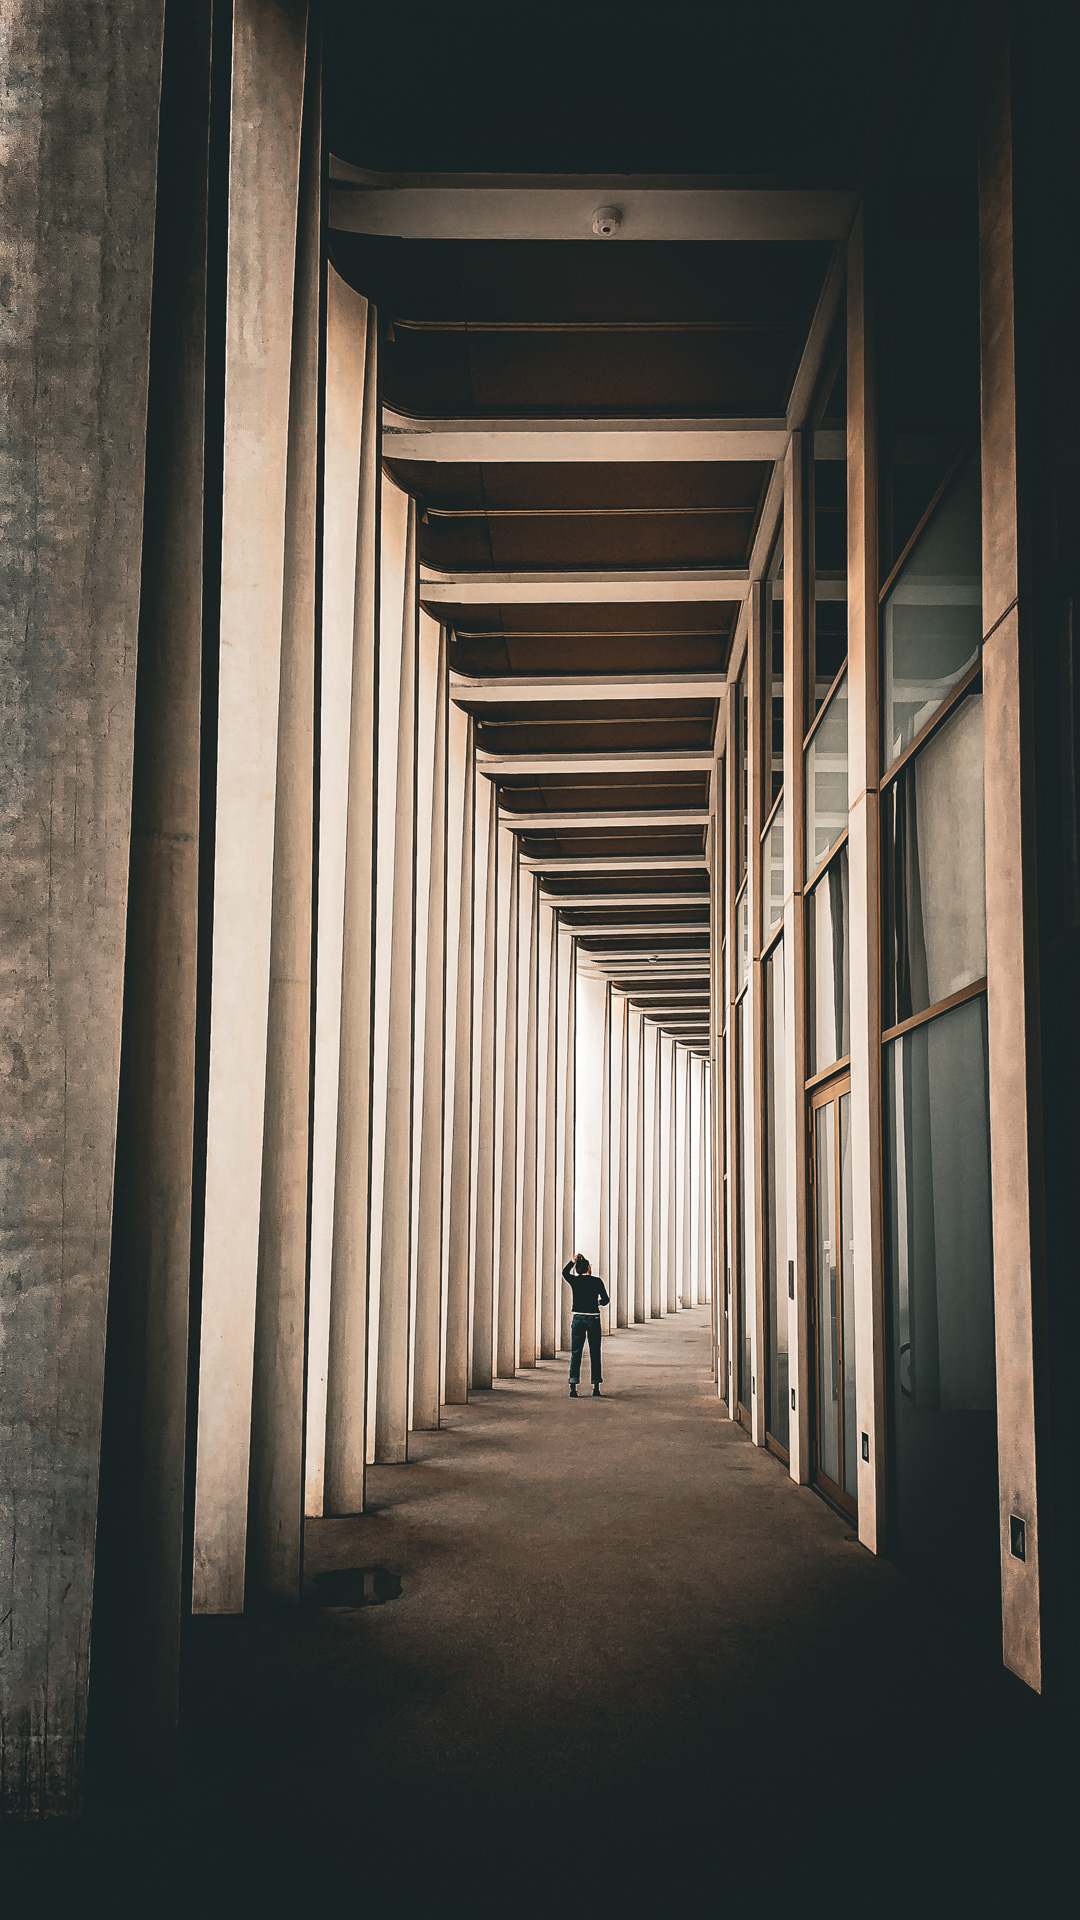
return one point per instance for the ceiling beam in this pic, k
(595, 587)
(508, 690)
(676, 862)
(495, 765)
(691, 897)
(642, 927)
(575, 442)
(670, 817)
(414, 206)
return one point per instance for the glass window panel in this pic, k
(776, 1164)
(828, 1293)
(932, 621)
(827, 780)
(940, 1296)
(744, 1100)
(774, 629)
(774, 870)
(847, 1303)
(935, 868)
(828, 575)
(829, 1025)
(742, 775)
(742, 939)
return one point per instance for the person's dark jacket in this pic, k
(589, 1291)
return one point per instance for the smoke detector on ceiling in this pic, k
(606, 221)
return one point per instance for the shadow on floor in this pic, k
(614, 1653)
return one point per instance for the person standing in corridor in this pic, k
(590, 1294)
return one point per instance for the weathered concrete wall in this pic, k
(80, 113)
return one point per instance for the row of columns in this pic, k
(643, 1123)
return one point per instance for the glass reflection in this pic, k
(742, 939)
(940, 1295)
(774, 628)
(744, 1099)
(776, 1236)
(932, 625)
(847, 1302)
(774, 870)
(828, 1295)
(829, 1036)
(827, 780)
(828, 567)
(935, 869)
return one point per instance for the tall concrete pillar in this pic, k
(687, 1285)
(528, 1334)
(588, 1068)
(653, 1094)
(431, 929)
(346, 351)
(567, 1091)
(460, 1118)
(268, 59)
(349, 1070)
(506, 1335)
(671, 1152)
(623, 1167)
(641, 1252)
(276, 1482)
(605, 1240)
(140, 1593)
(550, 1282)
(483, 1323)
(392, 1217)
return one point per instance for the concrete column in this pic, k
(640, 1174)
(268, 50)
(671, 1148)
(588, 1068)
(507, 1057)
(483, 1326)
(605, 1241)
(798, 1161)
(864, 870)
(431, 929)
(1012, 907)
(345, 350)
(391, 1255)
(550, 1282)
(758, 772)
(657, 1115)
(567, 1118)
(708, 1176)
(460, 1118)
(140, 1593)
(348, 1069)
(687, 1277)
(528, 1331)
(276, 1483)
(624, 1169)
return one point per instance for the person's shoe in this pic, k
(573, 1391)
(596, 1393)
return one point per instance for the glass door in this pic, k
(832, 1316)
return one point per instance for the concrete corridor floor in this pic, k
(630, 1661)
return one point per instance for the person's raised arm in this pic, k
(567, 1270)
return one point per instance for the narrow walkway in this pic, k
(622, 1634)
(623, 1637)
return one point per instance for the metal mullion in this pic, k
(936, 720)
(914, 1020)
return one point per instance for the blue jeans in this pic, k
(580, 1325)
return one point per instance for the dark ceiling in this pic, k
(786, 91)
(590, 638)
(657, 515)
(564, 327)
